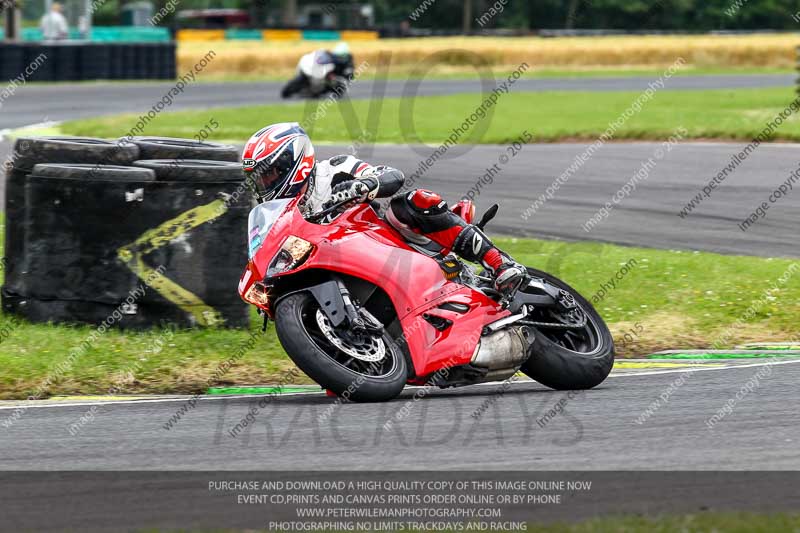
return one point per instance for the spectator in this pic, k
(54, 25)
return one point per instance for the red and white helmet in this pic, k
(278, 160)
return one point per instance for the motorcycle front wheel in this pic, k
(295, 85)
(338, 88)
(569, 358)
(360, 369)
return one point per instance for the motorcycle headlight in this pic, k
(258, 294)
(291, 255)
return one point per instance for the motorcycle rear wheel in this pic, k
(564, 360)
(313, 352)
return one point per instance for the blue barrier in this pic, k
(240, 35)
(320, 35)
(108, 34)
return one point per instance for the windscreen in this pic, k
(261, 219)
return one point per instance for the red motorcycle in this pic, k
(364, 312)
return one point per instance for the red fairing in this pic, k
(360, 244)
(466, 210)
(425, 199)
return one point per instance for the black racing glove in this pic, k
(357, 191)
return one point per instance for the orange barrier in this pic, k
(200, 35)
(282, 35)
(358, 35)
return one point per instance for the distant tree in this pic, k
(692, 15)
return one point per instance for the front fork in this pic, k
(354, 319)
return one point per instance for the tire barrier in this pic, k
(30, 151)
(12, 61)
(91, 172)
(172, 148)
(193, 170)
(146, 246)
(74, 61)
(45, 65)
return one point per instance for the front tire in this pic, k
(312, 351)
(581, 362)
(295, 85)
(338, 88)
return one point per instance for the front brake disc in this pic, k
(373, 349)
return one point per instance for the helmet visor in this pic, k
(268, 179)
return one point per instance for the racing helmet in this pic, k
(277, 161)
(341, 51)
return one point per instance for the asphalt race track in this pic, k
(438, 432)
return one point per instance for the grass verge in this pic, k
(548, 116)
(666, 299)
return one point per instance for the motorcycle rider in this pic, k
(279, 162)
(338, 62)
(342, 60)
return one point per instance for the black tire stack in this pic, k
(97, 231)
(12, 61)
(69, 61)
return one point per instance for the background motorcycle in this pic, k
(363, 312)
(316, 77)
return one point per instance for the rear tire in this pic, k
(560, 368)
(292, 315)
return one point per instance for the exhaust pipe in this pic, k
(506, 349)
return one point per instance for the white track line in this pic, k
(321, 393)
(704, 369)
(44, 124)
(154, 400)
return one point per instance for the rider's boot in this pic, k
(473, 245)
